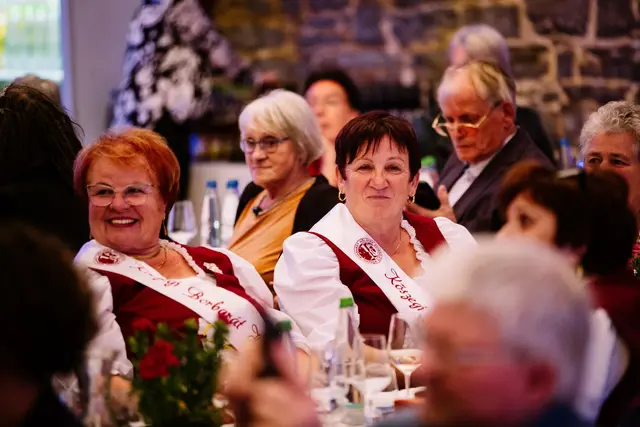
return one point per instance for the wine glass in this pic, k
(327, 387)
(181, 225)
(372, 373)
(404, 348)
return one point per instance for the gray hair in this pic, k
(483, 43)
(284, 113)
(613, 117)
(489, 81)
(536, 298)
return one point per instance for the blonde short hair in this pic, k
(284, 113)
(490, 82)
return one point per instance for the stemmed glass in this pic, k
(372, 372)
(404, 348)
(181, 225)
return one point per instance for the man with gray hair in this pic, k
(504, 346)
(480, 42)
(610, 140)
(478, 114)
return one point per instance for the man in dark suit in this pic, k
(478, 42)
(478, 114)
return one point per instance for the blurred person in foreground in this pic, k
(479, 42)
(492, 357)
(130, 181)
(478, 114)
(366, 248)
(173, 56)
(280, 138)
(47, 317)
(335, 99)
(38, 144)
(586, 216)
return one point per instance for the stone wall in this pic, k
(569, 55)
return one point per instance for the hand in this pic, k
(269, 399)
(445, 209)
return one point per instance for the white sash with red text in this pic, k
(204, 298)
(403, 292)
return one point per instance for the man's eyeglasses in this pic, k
(101, 195)
(268, 144)
(444, 127)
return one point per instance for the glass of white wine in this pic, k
(404, 348)
(181, 225)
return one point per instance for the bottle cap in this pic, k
(428, 161)
(212, 184)
(284, 326)
(232, 184)
(564, 142)
(346, 302)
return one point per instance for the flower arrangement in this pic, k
(176, 373)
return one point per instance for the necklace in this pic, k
(278, 202)
(166, 258)
(398, 246)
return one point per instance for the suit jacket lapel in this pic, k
(452, 171)
(491, 175)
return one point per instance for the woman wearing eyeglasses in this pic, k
(280, 138)
(131, 181)
(587, 217)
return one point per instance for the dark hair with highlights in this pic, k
(591, 211)
(35, 131)
(51, 300)
(368, 130)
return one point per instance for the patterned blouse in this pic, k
(172, 54)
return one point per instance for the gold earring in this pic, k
(412, 198)
(341, 196)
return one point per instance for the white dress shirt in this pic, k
(470, 174)
(307, 279)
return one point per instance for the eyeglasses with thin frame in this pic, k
(268, 144)
(102, 195)
(441, 128)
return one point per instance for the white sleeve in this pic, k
(456, 235)
(109, 336)
(307, 282)
(252, 282)
(606, 360)
(249, 278)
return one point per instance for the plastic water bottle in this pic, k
(429, 171)
(567, 161)
(229, 207)
(210, 219)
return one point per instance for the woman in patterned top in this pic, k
(172, 54)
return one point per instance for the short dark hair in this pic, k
(40, 286)
(368, 130)
(35, 131)
(591, 211)
(340, 77)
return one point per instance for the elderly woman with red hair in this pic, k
(131, 181)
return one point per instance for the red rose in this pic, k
(224, 317)
(144, 325)
(157, 361)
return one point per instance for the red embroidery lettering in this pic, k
(397, 283)
(196, 294)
